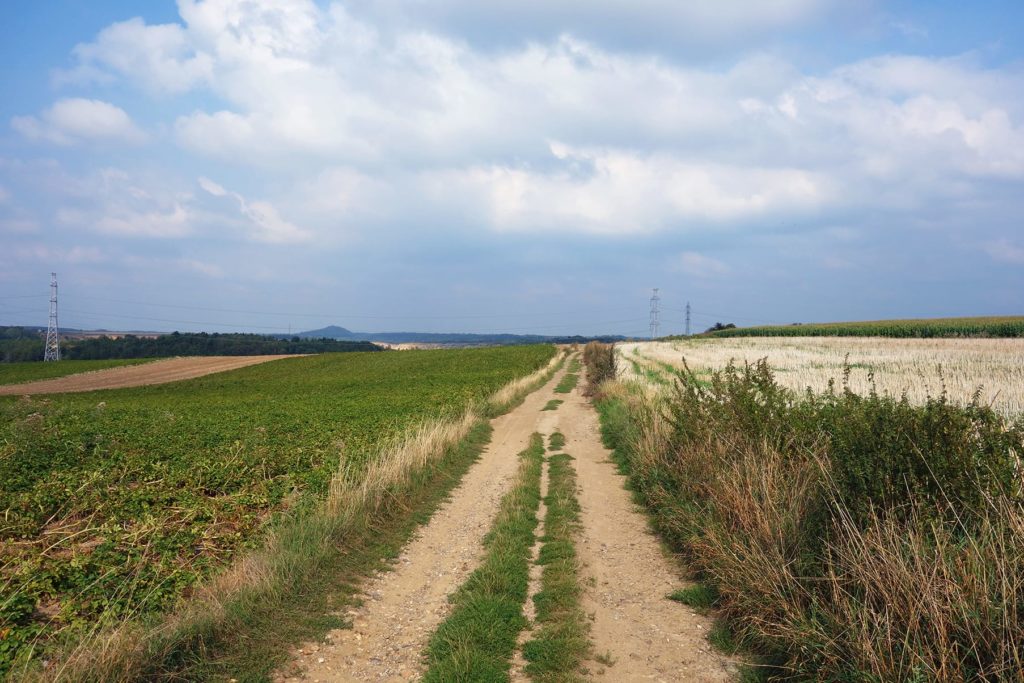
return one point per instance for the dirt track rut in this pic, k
(627, 575)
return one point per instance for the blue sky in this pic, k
(521, 166)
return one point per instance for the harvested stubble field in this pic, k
(113, 504)
(918, 368)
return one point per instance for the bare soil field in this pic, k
(157, 372)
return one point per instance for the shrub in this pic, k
(600, 361)
(848, 537)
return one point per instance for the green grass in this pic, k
(319, 566)
(477, 640)
(560, 641)
(556, 441)
(567, 383)
(114, 504)
(995, 326)
(553, 404)
(698, 596)
(16, 373)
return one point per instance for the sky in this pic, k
(528, 166)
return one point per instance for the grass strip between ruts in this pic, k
(560, 641)
(477, 640)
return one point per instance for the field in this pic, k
(1000, 326)
(159, 371)
(13, 373)
(917, 368)
(115, 503)
(874, 533)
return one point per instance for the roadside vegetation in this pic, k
(599, 360)
(999, 326)
(559, 642)
(116, 505)
(840, 536)
(16, 373)
(477, 640)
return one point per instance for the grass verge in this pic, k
(560, 643)
(553, 404)
(477, 640)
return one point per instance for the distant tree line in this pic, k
(20, 344)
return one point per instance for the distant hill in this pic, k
(449, 338)
(329, 332)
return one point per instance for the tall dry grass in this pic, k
(926, 589)
(357, 500)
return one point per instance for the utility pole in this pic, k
(655, 323)
(687, 318)
(52, 351)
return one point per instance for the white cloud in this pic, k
(159, 58)
(420, 117)
(264, 223)
(4, 195)
(701, 266)
(616, 192)
(76, 119)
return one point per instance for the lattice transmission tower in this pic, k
(52, 331)
(655, 322)
(687, 318)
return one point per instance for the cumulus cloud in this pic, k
(617, 192)
(389, 112)
(76, 119)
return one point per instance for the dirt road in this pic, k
(157, 372)
(403, 607)
(627, 575)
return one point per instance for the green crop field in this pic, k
(1006, 326)
(114, 503)
(14, 373)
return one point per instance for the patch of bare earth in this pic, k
(403, 607)
(157, 372)
(638, 634)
